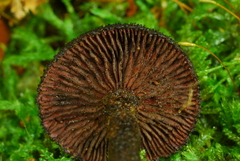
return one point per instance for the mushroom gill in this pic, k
(118, 89)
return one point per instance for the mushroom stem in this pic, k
(124, 138)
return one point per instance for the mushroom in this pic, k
(118, 89)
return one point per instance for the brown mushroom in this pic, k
(118, 89)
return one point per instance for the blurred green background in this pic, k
(38, 29)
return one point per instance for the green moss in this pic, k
(36, 40)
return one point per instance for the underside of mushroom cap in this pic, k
(125, 57)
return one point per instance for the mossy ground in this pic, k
(37, 38)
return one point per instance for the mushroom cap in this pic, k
(119, 57)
